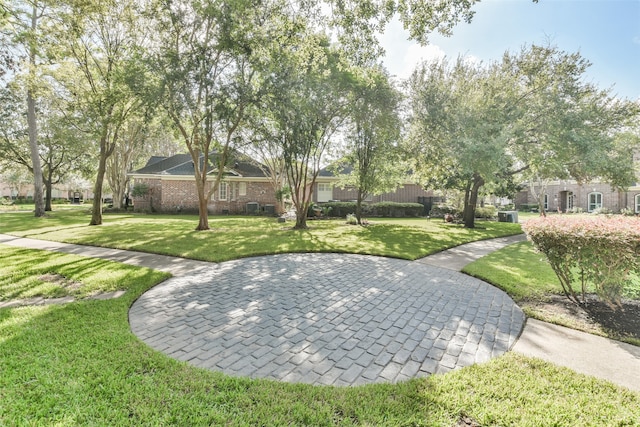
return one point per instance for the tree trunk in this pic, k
(35, 156)
(32, 124)
(203, 202)
(471, 200)
(48, 188)
(96, 210)
(301, 216)
(203, 221)
(359, 208)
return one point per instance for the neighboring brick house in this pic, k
(568, 196)
(171, 186)
(326, 190)
(244, 189)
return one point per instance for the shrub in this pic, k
(351, 219)
(600, 250)
(528, 207)
(341, 209)
(486, 212)
(393, 209)
(439, 211)
(381, 209)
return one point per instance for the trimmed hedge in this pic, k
(381, 209)
(487, 212)
(599, 250)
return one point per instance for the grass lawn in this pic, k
(237, 237)
(527, 277)
(79, 364)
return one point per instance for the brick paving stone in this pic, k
(330, 319)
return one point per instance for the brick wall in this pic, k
(173, 196)
(557, 193)
(408, 193)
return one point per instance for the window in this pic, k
(324, 192)
(595, 201)
(242, 188)
(222, 191)
(637, 203)
(546, 202)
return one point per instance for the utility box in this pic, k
(508, 216)
(253, 207)
(269, 209)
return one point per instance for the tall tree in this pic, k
(29, 34)
(101, 41)
(458, 134)
(531, 114)
(205, 62)
(308, 103)
(371, 153)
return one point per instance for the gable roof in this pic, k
(182, 165)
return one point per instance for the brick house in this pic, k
(245, 188)
(568, 196)
(327, 190)
(171, 188)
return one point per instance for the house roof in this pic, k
(330, 171)
(182, 165)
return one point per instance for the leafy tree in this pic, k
(60, 151)
(205, 66)
(530, 115)
(459, 130)
(568, 128)
(372, 137)
(308, 103)
(28, 24)
(100, 41)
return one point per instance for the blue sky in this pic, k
(605, 32)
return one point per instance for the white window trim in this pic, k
(595, 205)
(637, 198)
(545, 202)
(220, 191)
(327, 191)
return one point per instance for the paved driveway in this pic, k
(327, 319)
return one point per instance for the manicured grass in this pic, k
(27, 274)
(79, 364)
(518, 270)
(527, 277)
(237, 237)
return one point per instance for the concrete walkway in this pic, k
(585, 353)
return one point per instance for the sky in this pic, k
(605, 32)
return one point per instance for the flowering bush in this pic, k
(598, 250)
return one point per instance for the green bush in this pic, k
(340, 209)
(439, 211)
(381, 209)
(601, 250)
(528, 207)
(395, 210)
(487, 212)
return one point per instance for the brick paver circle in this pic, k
(327, 319)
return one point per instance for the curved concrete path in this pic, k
(586, 353)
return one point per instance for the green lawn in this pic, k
(79, 364)
(527, 277)
(236, 237)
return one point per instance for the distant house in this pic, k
(327, 190)
(245, 188)
(170, 182)
(569, 196)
